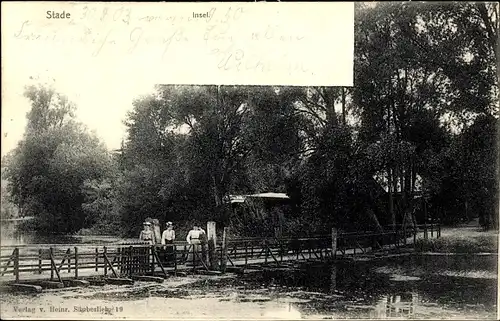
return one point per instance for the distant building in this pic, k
(263, 211)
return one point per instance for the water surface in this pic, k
(417, 286)
(406, 287)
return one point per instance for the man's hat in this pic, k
(169, 223)
(146, 223)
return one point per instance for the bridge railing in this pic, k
(70, 260)
(274, 250)
(76, 260)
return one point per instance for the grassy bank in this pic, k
(461, 240)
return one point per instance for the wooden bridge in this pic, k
(65, 264)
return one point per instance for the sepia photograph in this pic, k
(130, 197)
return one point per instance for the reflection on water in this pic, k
(23, 238)
(408, 287)
(11, 236)
(402, 305)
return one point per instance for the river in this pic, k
(419, 286)
(11, 236)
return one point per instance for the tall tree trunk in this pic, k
(414, 218)
(216, 194)
(374, 219)
(391, 198)
(466, 210)
(343, 106)
(413, 178)
(329, 96)
(395, 201)
(404, 196)
(492, 26)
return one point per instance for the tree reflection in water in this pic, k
(400, 305)
(333, 278)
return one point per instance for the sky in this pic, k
(107, 54)
(101, 108)
(101, 104)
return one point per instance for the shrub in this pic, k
(459, 244)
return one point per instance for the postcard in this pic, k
(249, 160)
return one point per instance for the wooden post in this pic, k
(194, 256)
(129, 269)
(69, 260)
(224, 249)
(51, 265)
(160, 264)
(299, 244)
(107, 262)
(211, 244)
(120, 259)
(39, 261)
(425, 220)
(277, 232)
(16, 264)
(246, 253)
(153, 250)
(333, 278)
(76, 262)
(54, 266)
(281, 250)
(105, 251)
(334, 241)
(144, 258)
(133, 260)
(96, 259)
(149, 252)
(175, 258)
(266, 249)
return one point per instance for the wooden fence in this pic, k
(115, 260)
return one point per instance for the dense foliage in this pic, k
(49, 167)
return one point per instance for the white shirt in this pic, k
(168, 235)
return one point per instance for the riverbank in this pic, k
(468, 240)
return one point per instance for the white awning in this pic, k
(242, 198)
(270, 195)
(236, 199)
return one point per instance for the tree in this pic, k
(8, 209)
(414, 63)
(48, 168)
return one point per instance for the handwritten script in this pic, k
(229, 38)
